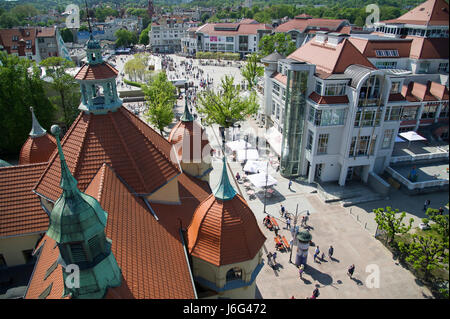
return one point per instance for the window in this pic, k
(328, 117)
(335, 89)
(310, 140)
(386, 64)
(409, 113)
(395, 87)
(319, 87)
(230, 39)
(15, 38)
(429, 111)
(387, 138)
(386, 53)
(424, 67)
(46, 292)
(78, 254)
(360, 147)
(276, 89)
(367, 118)
(443, 67)
(323, 144)
(278, 111)
(393, 113)
(234, 274)
(274, 108)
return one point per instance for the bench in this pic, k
(285, 243)
(278, 243)
(274, 223)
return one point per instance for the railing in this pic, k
(369, 102)
(417, 185)
(412, 158)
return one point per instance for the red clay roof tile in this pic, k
(37, 149)
(96, 72)
(20, 209)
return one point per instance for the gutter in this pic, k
(188, 264)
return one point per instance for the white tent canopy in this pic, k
(248, 154)
(255, 166)
(412, 136)
(237, 145)
(274, 138)
(259, 180)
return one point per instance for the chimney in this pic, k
(321, 36)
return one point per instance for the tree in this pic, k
(388, 221)
(425, 253)
(144, 37)
(160, 97)
(442, 222)
(226, 106)
(280, 42)
(65, 86)
(20, 88)
(66, 35)
(8, 20)
(252, 70)
(125, 38)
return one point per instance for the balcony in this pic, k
(362, 102)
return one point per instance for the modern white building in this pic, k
(338, 102)
(242, 37)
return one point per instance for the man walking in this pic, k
(330, 252)
(316, 253)
(351, 270)
(288, 223)
(290, 184)
(282, 210)
(274, 257)
(300, 270)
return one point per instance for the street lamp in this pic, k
(265, 189)
(294, 236)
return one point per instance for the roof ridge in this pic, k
(77, 159)
(141, 179)
(151, 140)
(55, 152)
(22, 166)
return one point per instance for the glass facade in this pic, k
(327, 117)
(295, 112)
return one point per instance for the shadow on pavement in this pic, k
(358, 282)
(322, 278)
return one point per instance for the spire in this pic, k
(187, 116)
(224, 190)
(36, 128)
(68, 182)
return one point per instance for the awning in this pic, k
(412, 136)
(259, 180)
(237, 145)
(255, 166)
(248, 154)
(273, 137)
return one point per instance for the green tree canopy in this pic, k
(280, 42)
(160, 97)
(66, 35)
(388, 220)
(68, 96)
(125, 38)
(144, 37)
(252, 70)
(226, 106)
(8, 20)
(20, 88)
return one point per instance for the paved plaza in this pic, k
(349, 230)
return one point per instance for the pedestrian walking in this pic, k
(306, 219)
(274, 257)
(316, 253)
(330, 252)
(351, 270)
(315, 293)
(303, 221)
(269, 257)
(288, 223)
(282, 209)
(300, 270)
(290, 183)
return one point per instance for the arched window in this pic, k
(234, 273)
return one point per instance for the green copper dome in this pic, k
(93, 44)
(224, 190)
(75, 216)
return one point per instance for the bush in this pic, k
(132, 83)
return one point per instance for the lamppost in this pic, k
(294, 236)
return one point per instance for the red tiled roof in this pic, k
(6, 36)
(431, 12)
(150, 256)
(328, 99)
(396, 97)
(37, 149)
(224, 232)
(20, 209)
(429, 48)
(439, 91)
(96, 72)
(330, 59)
(280, 78)
(302, 24)
(368, 47)
(422, 91)
(406, 92)
(45, 32)
(135, 151)
(185, 135)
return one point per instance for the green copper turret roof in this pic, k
(4, 163)
(224, 190)
(36, 128)
(187, 116)
(75, 215)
